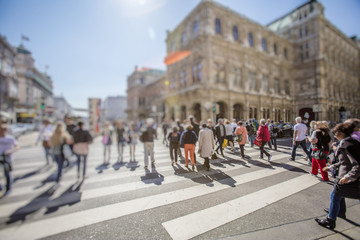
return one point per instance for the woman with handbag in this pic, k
(263, 136)
(241, 133)
(320, 140)
(206, 144)
(58, 139)
(348, 154)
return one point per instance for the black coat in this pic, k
(218, 131)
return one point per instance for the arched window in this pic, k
(250, 112)
(235, 33)
(217, 26)
(285, 53)
(264, 45)
(251, 41)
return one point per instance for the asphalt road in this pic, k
(237, 199)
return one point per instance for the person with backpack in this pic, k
(174, 139)
(147, 137)
(320, 140)
(251, 132)
(348, 165)
(188, 140)
(8, 145)
(82, 139)
(273, 129)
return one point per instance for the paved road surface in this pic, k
(237, 199)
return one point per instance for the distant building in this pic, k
(35, 89)
(9, 86)
(222, 64)
(114, 108)
(144, 91)
(62, 108)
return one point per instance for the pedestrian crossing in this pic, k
(117, 194)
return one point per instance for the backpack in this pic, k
(143, 136)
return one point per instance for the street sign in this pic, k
(316, 108)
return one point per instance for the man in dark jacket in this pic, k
(82, 138)
(220, 132)
(147, 137)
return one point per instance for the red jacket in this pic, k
(263, 133)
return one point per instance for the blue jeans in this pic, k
(78, 163)
(303, 145)
(251, 139)
(8, 178)
(60, 161)
(337, 205)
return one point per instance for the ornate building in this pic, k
(145, 91)
(222, 64)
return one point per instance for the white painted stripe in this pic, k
(216, 216)
(55, 225)
(113, 176)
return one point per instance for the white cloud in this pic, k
(132, 8)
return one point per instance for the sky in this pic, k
(92, 46)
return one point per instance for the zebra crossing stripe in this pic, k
(104, 191)
(219, 215)
(55, 225)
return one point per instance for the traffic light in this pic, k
(43, 106)
(214, 109)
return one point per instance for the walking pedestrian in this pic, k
(320, 140)
(174, 139)
(234, 125)
(311, 130)
(107, 142)
(251, 132)
(299, 138)
(70, 129)
(147, 137)
(206, 144)
(229, 134)
(165, 127)
(8, 145)
(273, 129)
(120, 130)
(132, 140)
(240, 137)
(211, 127)
(58, 139)
(181, 130)
(44, 136)
(188, 139)
(82, 139)
(348, 155)
(263, 135)
(220, 135)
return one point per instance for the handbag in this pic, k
(258, 142)
(105, 140)
(225, 143)
(319, 154)
(239, 138)
(349, 190)
(46, 144)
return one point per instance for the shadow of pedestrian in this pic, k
(51, 178)
(102, 167)
(152, 177)
(70, 197)
(32, 173)
(116, 166)
(132, 165)
(36, 204)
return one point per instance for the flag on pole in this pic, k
(25, 38)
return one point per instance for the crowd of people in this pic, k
(336, 150)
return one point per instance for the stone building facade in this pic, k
(9, 86)
(240, 69)
(145, 91)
